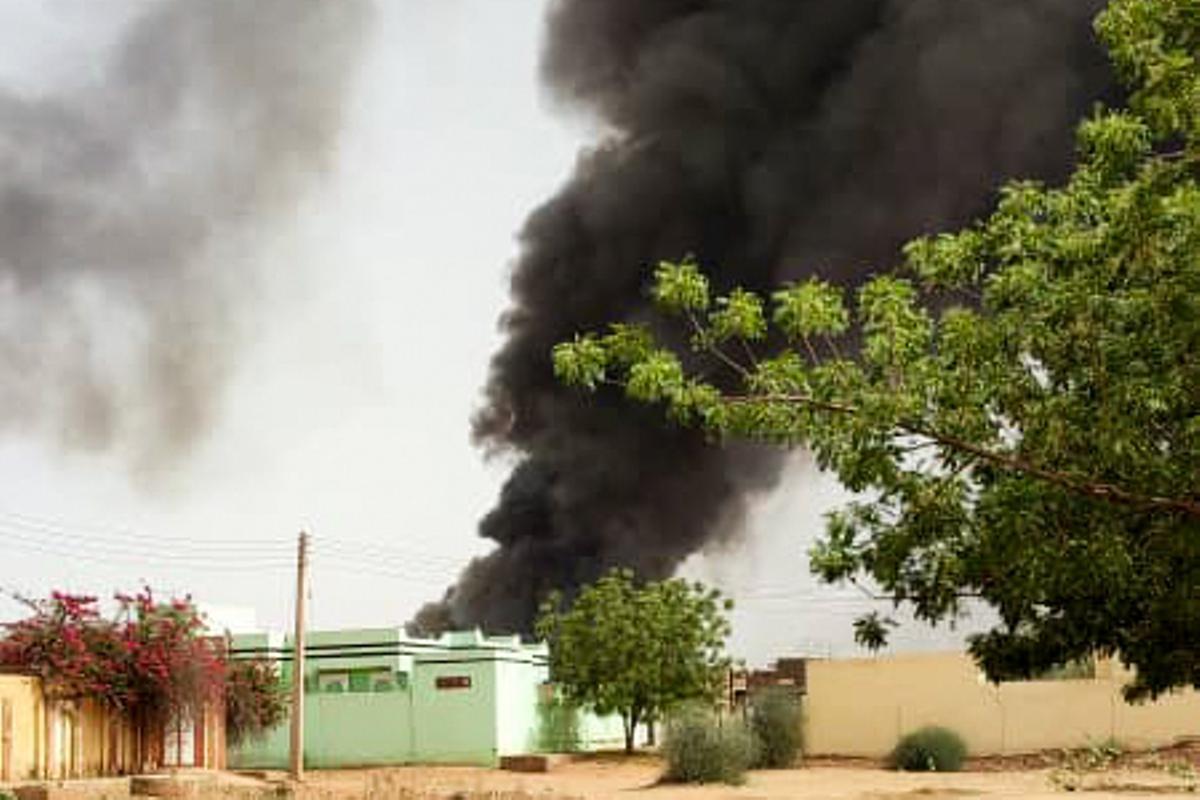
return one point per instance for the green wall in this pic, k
(358, 730)
(485, 705)
(455, 725)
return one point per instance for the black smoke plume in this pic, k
(772, 139)
(126, 202)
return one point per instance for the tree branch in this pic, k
(1095, 489)
(702, 337)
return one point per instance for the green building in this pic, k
(376, 697)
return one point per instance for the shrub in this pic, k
(775, 721)
(256, 700)
(701, 748)
(929, 749)
(558, 726)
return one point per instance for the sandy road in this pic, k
(638, 780)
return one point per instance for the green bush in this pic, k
(558, 726)
(930, 749)
(775, 721)
(699, 747)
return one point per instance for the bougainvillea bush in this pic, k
(150, 661)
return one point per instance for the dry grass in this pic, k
(379, 789)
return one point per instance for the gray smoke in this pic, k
(126, 205)
(772, 139)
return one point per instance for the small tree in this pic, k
(637, 651)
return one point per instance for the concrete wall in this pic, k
(358, 730)
(455, 725)
(605, 733)
(862, 707)
(64, 739)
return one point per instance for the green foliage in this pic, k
(738, 316)
(699, 747)
(930, 749)
(637, 651)
(558, 726)
(812, 308)
(1021, 412)
(776, 722)
(1082, 669)
(681, 288)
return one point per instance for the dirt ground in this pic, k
(610, 779)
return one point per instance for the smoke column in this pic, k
(772, 139)
(126, 208)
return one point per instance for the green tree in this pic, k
(637, 651)
(1020, 415)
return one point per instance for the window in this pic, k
(332, 682)
(360, 680)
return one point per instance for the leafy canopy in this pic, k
(637, 651)
(1021, 411)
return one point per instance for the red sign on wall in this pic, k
(453, 682)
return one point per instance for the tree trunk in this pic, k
(630, 721)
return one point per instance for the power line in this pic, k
(147, 557)
(124, 540)
(101, 535)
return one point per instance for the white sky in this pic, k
(349, 415)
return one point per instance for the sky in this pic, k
(348, 413)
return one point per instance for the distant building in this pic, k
(788, 673)
(378, 697)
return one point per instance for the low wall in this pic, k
(861, 707)
(20, 724)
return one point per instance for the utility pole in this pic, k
(297, 751)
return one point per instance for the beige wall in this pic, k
(862, 706)
(24, 697)
(108, 743)
(61, 739)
